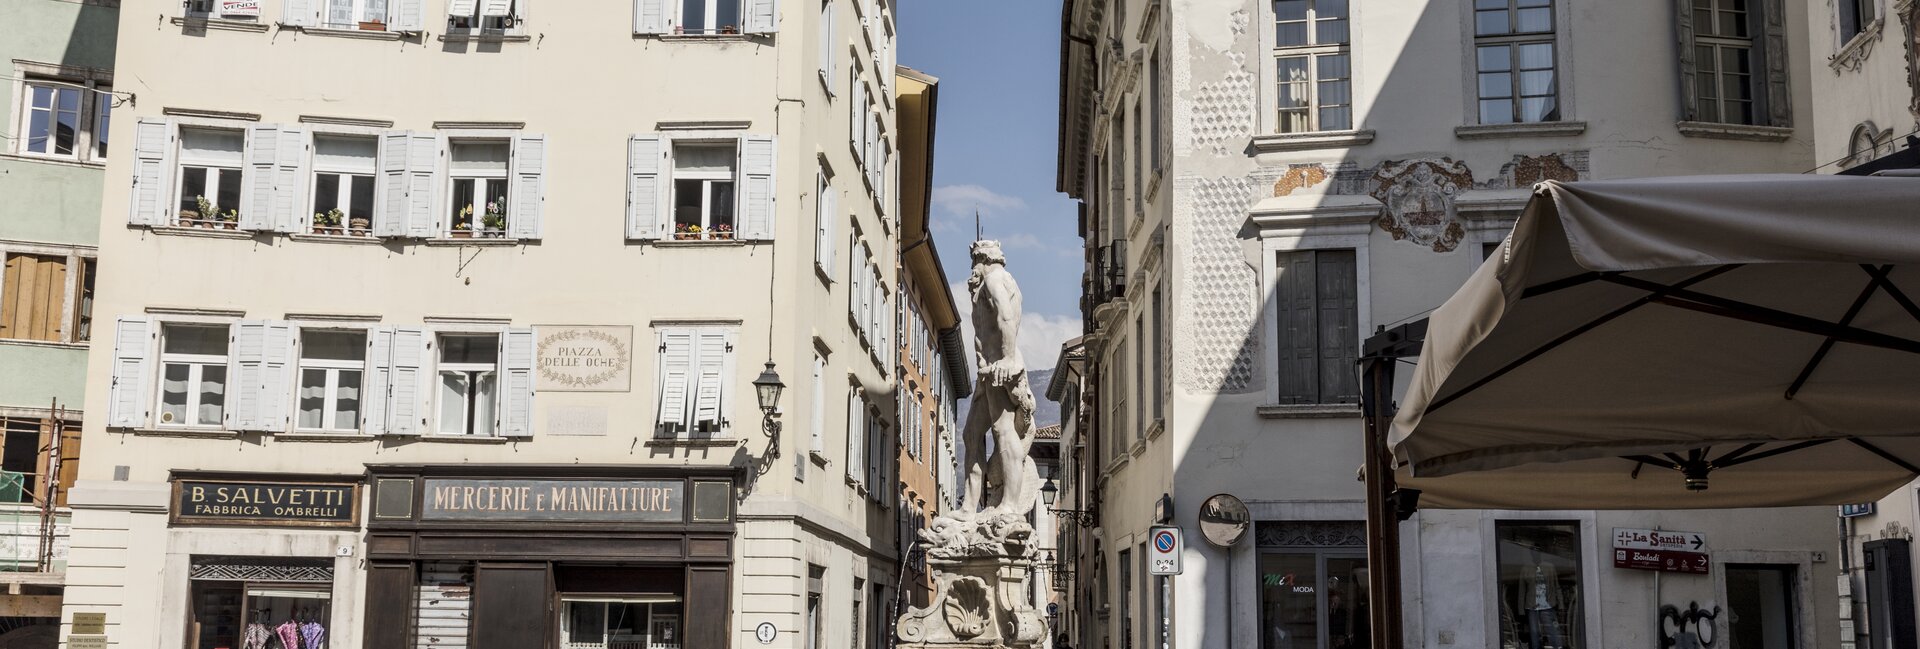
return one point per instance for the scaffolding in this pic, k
(41, 490)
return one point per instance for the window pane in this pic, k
(1333, 66)
(721, 203)
(1330, 32)
(22, 449)
(1289, 9)
(1347, 617)
(40, 121)
(586, 622)
(1539, 109)
(375, 10)
(686, 203)
(340, 12)
(229, 190)
(1289, 601)
(1733, 24)
(693, 14)
(326, 193)
(1336, 118)
(483, 404)
(212, 147)
(213, 394)
(66, 121)
(1536, 83)
(348, 154)
(361, 200)
(1496, 111)
(1290, 34)
(1489, 4)
(346, 403)
(469, 348)
(1490, 22)
(1292, 68)
(729, 13)
(1535, 56)
(465, 213)
(173, 393)
(1536, 20)
(1330, 9)
(1496, 85)
(1533, 3)
(478, 156)
(1735, 59)
(494, 204)
(195, 339)
(313, 398)
(333, 345)
(716, 159)
(193, 185)
(1294, 121)
(453, 402)
(1496, 58)
(1334, 93)
(1539, 573)
(1735, 86)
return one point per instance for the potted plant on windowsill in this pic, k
(493, 224)
(463, 225)
(360, 226)
(722, 232)
(729, 29)
(373, 26)
(328, 222)
(230, 220)
(686, 232)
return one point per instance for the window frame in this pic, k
(1512, 39)
(330, 370)
(514, 23)
(1718, 43)
(435, 402)
(1312, 51)
(212, 182)
(1853, 18)
(707, 181)
(359, 10)
(197, 364)
(1763, 81)
(1586, 559)
(1316, 236)
(344, 190)
(76, 294)
(450, 217)
(710, 11)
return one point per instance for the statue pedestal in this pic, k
(978, 601)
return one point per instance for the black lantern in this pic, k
(768, 386)
(1049, 492)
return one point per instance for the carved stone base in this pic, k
(978, 601)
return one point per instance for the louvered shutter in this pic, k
(1297, 320)
(1339, 340)
(829, 214)
(710, 356)
(246, 358)
(529, 186)
(461, 7)
(373, 393)
(152, 172)
(516, 385)
(676, 366)
(876, 454)
(819, 419)
(646, 186)
(133, 347)
(857, 118)
(763, 16)
(855, 457)
(407, 15)
(826, 43)
(390, 217)
(290, 213)
(276, 377)
(299, 13)
(423, 183)
(407, 382)
(256, 193)
(650, 16)
(757, 161)
(496, 8)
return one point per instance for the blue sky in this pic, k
(998, 62)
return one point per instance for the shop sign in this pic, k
(584, 359)
(569, 501)
(240, 502)
(239, 7)
(86, 642)
(1662, 550)
(1856, 511)
(1164, 555)
(90, 623)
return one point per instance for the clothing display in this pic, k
(313, 634)
(256, 637)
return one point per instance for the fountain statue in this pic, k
(982, 555)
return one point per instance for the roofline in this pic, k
(1071, 350)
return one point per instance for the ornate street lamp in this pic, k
(1049, 492)
(768, 387)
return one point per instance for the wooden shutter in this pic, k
(516, 383)
(1689, 68)
(290, 205)
(763, 16)
(390, 603)
(408, 382)
(855, 458)
(407, 15)
(757, 162)
(390, 216)
(713, 348)
(857, 118)
(826, 43)
(373, 395)
(461, 7)
(823, 252)
(256, 190)
(650, 16)
(133, 347)
(259, 384)
(1296, 319)
(676, 366)
(529, 186)
(299, 13)
(276, 377)
(1339, 340)
(33, 291)
(496, 8)
(646, 185)
(819, 419)
(152, 172)
(512, 605)
(1774, 64)
(708, 590)
(424, 156)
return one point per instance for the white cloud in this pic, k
(962, 200)
(1019, 240)
(1040, 334)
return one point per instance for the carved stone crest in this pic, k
(1419, 197)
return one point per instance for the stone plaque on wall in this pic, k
(583, 359)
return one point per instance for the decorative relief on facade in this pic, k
(1908, 11)
(1299, 177)
(1222, 316)
(1854, 52)
(1223, 110)
(1526, 171)
(1419, 195)
(285, 569)
(1310, 534)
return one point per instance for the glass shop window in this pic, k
(1540, 577)
(260, 603)
(638, 622)
(1313, 585)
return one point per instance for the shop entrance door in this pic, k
(620, 621)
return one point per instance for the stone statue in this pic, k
(982, 555)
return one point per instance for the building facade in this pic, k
(1263, 184)
(435, 329)
(58, 102)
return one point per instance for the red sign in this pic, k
(1695, 563)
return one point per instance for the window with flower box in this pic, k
(332, 365)
(343, 184)
(703, 190)
(478, 194)
(485, 17)
(211, 164)
(193, 374)
(368, 15)
(709, 17)
(700, 186)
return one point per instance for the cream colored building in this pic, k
(436, 323)
(1266, 183)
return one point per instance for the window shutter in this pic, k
(496, 8)
(276, 377)
(856, 446)
(390, 217)
(424, 154)
(290, 213)
(1774, 63)
(407, 382)
(133, 346)
(711, 358)
(1689, 68)
(819, 419)
(462, 7)
(876, 455)
(256, 192)
(299, 13)
(516, 384)
(645, 185)
(408, 15)
(529, 186)
(763, 16)
(650, 16)
(152, 172)
(1297, 319)
(373, 395)
(1339, 339)
(676, 364)
(757, 161)
(255, 357)
(857, 120)
(826, 43)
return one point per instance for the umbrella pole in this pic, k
(1383, 526)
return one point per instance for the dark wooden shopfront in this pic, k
(517, 540)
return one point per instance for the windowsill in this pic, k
(49, 344)
(317, 436)
(1852, 54)
(1158, 428)
(826, 85)
(1309, 411)
(179, 231)
(701, 38)
(463, 439)
(221, 24)
(487, 242)
(826, 277)
(64, 162)
(1153, 185)
(362, 34)
(1748, 132)
(1116, 464)
(711, 442)
(335, 238)
(202, 432)
(698, 243)
(1310, 141)
(484, 38)
(1139, 447)
(858, 486)
(1520, 129)
(818, 459)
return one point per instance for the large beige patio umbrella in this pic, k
(1703, 342)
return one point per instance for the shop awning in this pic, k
(1703, 342)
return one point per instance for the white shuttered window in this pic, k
(695, 376)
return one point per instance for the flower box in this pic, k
(373, 26)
